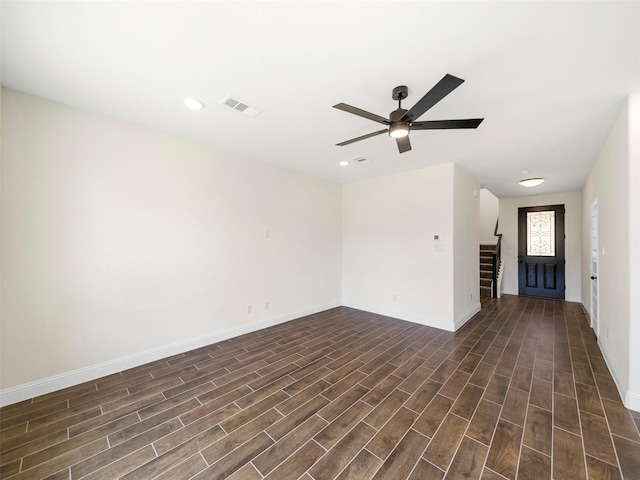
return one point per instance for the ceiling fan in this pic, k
(401, 121)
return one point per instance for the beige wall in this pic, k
(633, 395)
(120, 244)
(466, 244)
(613, 182)
(489, 208)
(391, 263)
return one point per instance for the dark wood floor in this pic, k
(521, 391)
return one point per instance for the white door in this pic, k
(594, 267)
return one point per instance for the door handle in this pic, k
(593, 277)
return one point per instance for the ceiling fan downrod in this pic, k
(401, 127)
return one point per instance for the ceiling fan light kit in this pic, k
(399, 130)
(401, 121)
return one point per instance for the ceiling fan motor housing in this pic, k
(397, 115)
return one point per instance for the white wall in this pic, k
(614, 181)
(391, 263)
(572, 225)
(466, 255)
(489, 208)
(118, 240)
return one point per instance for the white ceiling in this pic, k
(548, 77)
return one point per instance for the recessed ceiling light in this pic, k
(531, 182)
(194, 104)
(343, 163)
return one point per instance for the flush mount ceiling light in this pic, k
(194, 104)
(343, 163)
(531, 182)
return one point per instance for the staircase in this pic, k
(486, 269)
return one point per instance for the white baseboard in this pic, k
(420, 319)
(75, 377)
(467, 316)
(614, 374)
(407, 317)
(630, 399)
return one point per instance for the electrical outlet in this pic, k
(394, 298)
(266, 305)
(250, 309)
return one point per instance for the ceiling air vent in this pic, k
(240, 106)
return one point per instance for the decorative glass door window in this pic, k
(541, 240)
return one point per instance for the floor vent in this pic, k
(240, 106)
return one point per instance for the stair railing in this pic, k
(496, 259)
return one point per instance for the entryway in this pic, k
(594, 267)
(541, 262)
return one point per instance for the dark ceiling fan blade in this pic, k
(404, 145)
(444, 124)
(362, 113)
(443, 88)
(357, 139)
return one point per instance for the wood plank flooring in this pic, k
(521, 391)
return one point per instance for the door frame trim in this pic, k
(597, 208)
(560, 243)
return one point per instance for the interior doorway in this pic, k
(541, 259)
(593, 228)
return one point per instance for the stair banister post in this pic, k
(496, 256)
